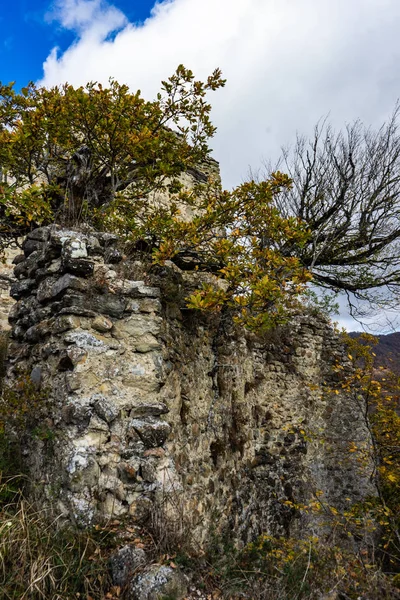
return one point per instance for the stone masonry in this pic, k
(6, 280)
(152, 407)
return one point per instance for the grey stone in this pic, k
(142, 291)
(51, 288)
(93, 246)
(105, 408)
(102, 324)
(21, 288)
(153, 432)
(154, 409)
(36, 332)
(51, 269)
(74, 247)
(41, 233)
(158, 583)
(30, 266)
(106, 239)
(112, 256)
(85, 340)
(77, 414)
(79, 266)
(108, 304)
(18, 259)
(125, 563)
(36, 376)
(30, 246)
(76, 310)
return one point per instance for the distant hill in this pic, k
(387, 351)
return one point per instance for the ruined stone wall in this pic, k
(6, 279)
(153, 407)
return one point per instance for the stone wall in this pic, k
(151, 407)
(6, 279)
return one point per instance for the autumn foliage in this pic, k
(101, 157)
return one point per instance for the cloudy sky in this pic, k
(287, 62)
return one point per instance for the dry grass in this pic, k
(3, 354)
(39, 560)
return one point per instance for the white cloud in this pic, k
(94, 18)
(288, 62)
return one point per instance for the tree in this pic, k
(94, 155)
(66, 152)
(346, 188)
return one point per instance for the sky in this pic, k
(288, 63)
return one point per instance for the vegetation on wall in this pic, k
(100, 157)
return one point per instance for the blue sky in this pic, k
(27, 35)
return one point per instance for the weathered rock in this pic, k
(102, 324)
(105, 408)
(159, 583)
(154, 409)
(53, 288)
(74, 247)
(112, 256)
(41, 233)
(106, 239)
(108, 304)
(78, 266)
(125, 563)
(21, 288)
(152, 431)
(31, 245)
(149, 405)
(36, 332)
(85, 340)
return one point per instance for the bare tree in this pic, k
(346, 187)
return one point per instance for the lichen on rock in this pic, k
(153, 406)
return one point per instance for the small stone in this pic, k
(102, 324)
(141, 508)
(93, 246)
(40, 233)
(153, 432)
(64, 323)
(106, 239)
(149, 305)
(108, 304)
(21, 288)
(125, 563)
(158, 583)
(30, 246)
(18, 259)
(112, 256)
(86, 341)
(76, 355)
(149, 409)
(127, 471)
(52, 288)
(79, 266)
(154, 452)
(76, 310)
(77, 413)
(36, 332)
(147, 343)
(36, 376)
(105, 408)
(74, 247)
